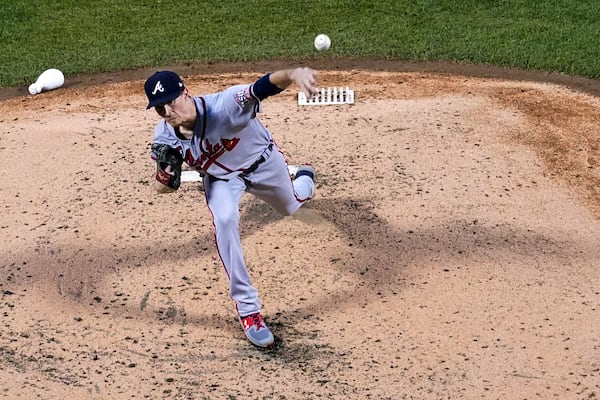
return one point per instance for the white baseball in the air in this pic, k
(322, 42)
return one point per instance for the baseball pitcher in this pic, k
(221, 136)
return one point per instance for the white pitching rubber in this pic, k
(194, 176)
(190, 176)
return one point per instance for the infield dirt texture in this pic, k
(452, 250)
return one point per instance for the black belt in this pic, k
(256, 163)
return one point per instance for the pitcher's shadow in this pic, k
(380, 251)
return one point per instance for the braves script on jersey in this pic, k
(227, 137)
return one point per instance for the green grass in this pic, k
(85, 36)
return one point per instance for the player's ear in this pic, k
(186, 94)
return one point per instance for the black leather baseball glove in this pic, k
(167, 156)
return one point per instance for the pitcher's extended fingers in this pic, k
(306, 79)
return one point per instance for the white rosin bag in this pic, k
(50, 79)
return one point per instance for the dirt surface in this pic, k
(452, 250)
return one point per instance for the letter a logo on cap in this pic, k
(158, 88)
(162, 87)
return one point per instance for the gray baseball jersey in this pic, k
(227, 137)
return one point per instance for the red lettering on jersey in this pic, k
(210, 153)
(229, 144)
(189, 158)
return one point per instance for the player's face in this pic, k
(178, 111)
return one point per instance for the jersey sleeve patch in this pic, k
(243, 96)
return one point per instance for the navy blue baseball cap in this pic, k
(162, 87)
